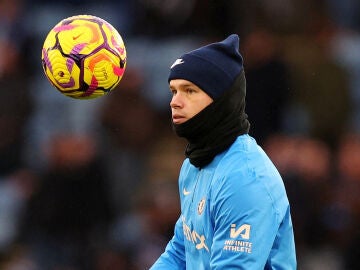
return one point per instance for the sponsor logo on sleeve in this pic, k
(239, 239)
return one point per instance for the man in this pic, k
(234, 209)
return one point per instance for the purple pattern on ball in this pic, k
(78, 47)
(47, 61)
(69, 84)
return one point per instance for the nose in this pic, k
(176, 101)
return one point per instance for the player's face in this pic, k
(187, 100)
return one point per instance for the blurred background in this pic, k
(92, 185)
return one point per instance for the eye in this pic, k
(173, 92)
(190, 91)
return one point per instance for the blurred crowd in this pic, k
(92, 185)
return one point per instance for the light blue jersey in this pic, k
(234, 215)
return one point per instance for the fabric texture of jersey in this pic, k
(234, 215)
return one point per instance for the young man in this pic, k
(234, 209)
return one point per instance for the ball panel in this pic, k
(50, 40)
(104, 66)
(62, 72)
(82, 37)
(114, 39)
(86, 95)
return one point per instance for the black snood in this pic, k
(216, 127)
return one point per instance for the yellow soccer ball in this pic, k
(84, 57)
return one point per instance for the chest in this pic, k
(196, 209)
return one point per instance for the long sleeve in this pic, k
(252, 225)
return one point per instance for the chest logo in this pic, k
(198, 240)
(201, 206)
(185, 192)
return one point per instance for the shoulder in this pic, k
(246, 158)
(241, 158)
(246, 174)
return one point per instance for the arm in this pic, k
(174, 256)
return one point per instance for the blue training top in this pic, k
(234, 215)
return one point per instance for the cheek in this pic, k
(198, 107)
(204, 103)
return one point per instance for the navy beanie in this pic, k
(213, 67)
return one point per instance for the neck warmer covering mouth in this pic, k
(217, 126)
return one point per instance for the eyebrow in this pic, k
(182, 85)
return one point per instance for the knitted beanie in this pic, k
(213, 67)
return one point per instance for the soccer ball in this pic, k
(84, 57)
